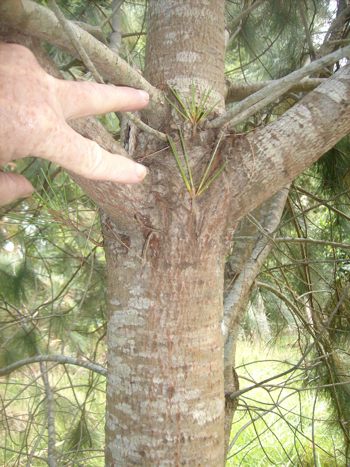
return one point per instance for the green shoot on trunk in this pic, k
(191, 108)
(183, 164)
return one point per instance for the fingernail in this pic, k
(144, 95)
(141, 171)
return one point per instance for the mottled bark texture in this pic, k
(269, 158)
(165, 359)
(165, 349)
(186, 44)
(185, 47)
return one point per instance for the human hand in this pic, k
(34, 107)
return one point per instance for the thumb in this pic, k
(12, 187)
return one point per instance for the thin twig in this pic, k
(53, 358)
(42, 23)
(66, 26)
(238, 393)
(314, 241)
(241, 17)
(306, 29)
(143, 126)
(69, 30)
(114, 11)
(50, 405)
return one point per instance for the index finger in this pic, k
(84, 98)
(85, 157)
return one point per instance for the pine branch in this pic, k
(321, 202)
(245, 13)
(303, 15)
(238, 295)
(235, 92)
(297, 366)
(68, 28)
(313, 241)
(62, 359)
(270, 93)
(71, 33)
(146, 128)
(336, 28)
(41, 22)
(240, 18)
(95, 31)
(133, 34)
(272, 156)
(115, 38)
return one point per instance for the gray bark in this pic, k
(235, 92)
(38, 21)
(165, 362)
(115, 40)
(270, 158)
(246, 266)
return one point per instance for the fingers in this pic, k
(12, 187)
(83, 98)
(85, 157)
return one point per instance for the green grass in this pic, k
(282, 423)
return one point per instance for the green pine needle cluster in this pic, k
(208, 176)
(191, 108)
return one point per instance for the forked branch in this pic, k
(269, 94)
(67, 27)
(270, 157)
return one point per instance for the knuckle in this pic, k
(21, 51)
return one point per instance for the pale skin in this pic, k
(34, 110)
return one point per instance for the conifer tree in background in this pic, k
(217, 149)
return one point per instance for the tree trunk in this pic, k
(185, 45)
(165, 349)
(165, 401)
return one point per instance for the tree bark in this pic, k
(165, 349)
(30, 18)
(165, 392)
(185, 45)
(264, 161)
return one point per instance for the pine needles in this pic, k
(194, 108)
(191, 108)
(183, 163)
